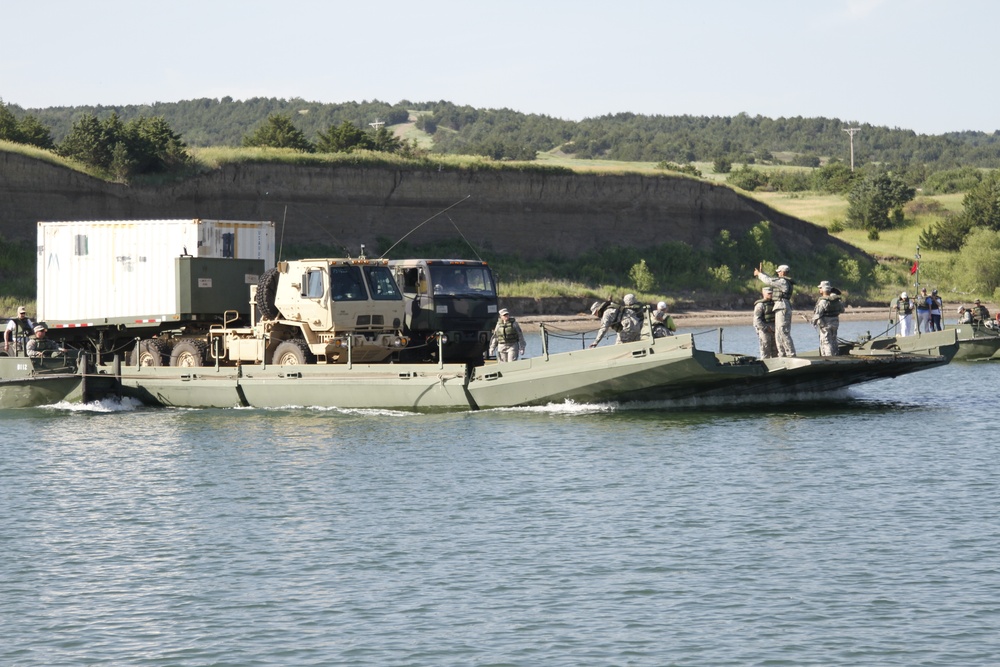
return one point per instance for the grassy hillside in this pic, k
(895, 249)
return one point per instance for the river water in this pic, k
(855, 529)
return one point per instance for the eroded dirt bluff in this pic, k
(532, 214)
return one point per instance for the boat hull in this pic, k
(388, 386)
(33, 382)
(977, 343)
(648, 370)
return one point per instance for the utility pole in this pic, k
(851, 131)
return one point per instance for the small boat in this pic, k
(27, 382)
(977, 341)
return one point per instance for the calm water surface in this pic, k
(860, 529)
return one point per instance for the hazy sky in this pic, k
(924, 65)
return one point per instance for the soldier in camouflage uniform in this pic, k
(40, 346)
(826, 319)
(782, 285)
(508, 341)
(763, 322)
(626, 320)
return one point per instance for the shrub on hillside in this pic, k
(747, 178)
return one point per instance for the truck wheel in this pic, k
(189, 353)
(293, 353)
(152, 352)
(267, 288)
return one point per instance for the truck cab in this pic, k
(456, 297)
(331, 303)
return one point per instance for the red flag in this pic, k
(913, 269)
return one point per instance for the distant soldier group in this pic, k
(772, 315)
(921, 314)
(975, 314)
(781, 292)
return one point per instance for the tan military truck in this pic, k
(229, 312)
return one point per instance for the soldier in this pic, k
(18, 330)
(923, 311)
(903, 308)
(508, 341)
(826, 319)
(937, 310)
(38, 344)
(782, 286)
(663, 324)
(763, 322)
(979, 313)
(625, 320)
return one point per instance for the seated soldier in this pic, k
(38, 345)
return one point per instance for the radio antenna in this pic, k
(281, 238)
(445, 210)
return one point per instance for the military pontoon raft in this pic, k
(647, 370)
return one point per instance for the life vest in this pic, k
(834, 306)
(25, 327)
(506, 333)
(904, 306)
(782, 287)
(768, 309)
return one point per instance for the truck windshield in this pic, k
(381, 283)
(462, 280)
(346, 285)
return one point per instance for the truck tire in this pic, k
(152, 352)
(293, 353)
(267, 288)
(189, 353)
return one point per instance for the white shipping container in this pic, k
(93, 271)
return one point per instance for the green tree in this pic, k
(278, 131)
(8, 123)
(747, 178)
(978, 264)
(874, 198)
(140, 146)
(122, 166)
(386, 141)
(722, 165)
(86, 143)
(835, 178)
(946, 234)
(982, 203)
(642, 278)
(344, 138)
(153, 147)
(426, 123)
(25, 130)
(805, 160)
(33, 133)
